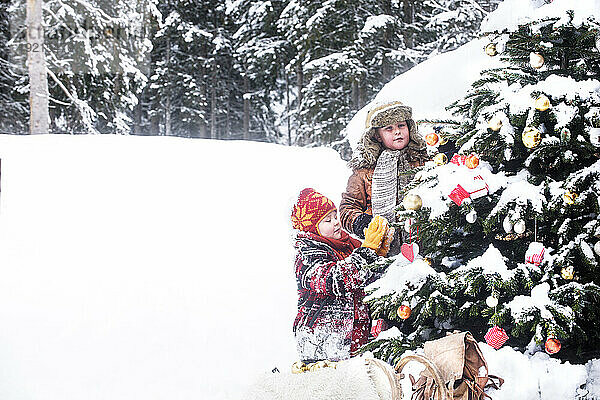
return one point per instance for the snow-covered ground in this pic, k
(160, 268)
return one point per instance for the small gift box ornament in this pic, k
(535, 253)
(496, 337)
(473, 189)
(377, 326)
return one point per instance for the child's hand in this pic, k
(375, 232)
(386, 242)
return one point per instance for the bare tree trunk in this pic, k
(39, 119)
(287, 107)
(299, 85)
(168, 100)
(409, 18)
(213, 106)
(137, 116)
(355, 85)
(202, 132)
(246, 108)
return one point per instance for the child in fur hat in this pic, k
(332, 320)
(389, 147)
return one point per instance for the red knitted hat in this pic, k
(310, 209)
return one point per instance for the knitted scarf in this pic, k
(342, 247)
(386, 181)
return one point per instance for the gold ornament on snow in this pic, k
(542, 103)
(536, 60)
(412, 202)
(569, 197)
(567, 273)
(298, 367)
(495, 123)
(440, 159)
(491, 49)
(531, 137)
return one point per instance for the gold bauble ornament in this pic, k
(472, 161)
(569, 197)
(491, 49)
(536, 60)
(404, 311)
(298, 367)
(440, 159)
(531, 137)
(542, 103)
(412, 202)
(567, 273)
(443, 140)
(495, 124)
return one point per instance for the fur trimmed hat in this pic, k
(383, 114)
(310, 209)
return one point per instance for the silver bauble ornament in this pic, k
(471, 217)
(597, 248)
(519, 226)
(507, 225)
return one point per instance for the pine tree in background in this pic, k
(260, 53)
(513, 243)
(14, 107)
(177, 99)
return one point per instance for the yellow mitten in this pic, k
(386, 242)
(375, 232)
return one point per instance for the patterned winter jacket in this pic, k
(330, 305)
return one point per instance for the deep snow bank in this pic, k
(147, 267)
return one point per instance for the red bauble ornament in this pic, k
(472, 161)
(432, 139)
(496, 337)
(552, 345)
(404, 311)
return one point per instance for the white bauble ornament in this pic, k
(495, 124)
(595, 136)
(491, 301)
(597, 248)
(507, 225)
(519, 226)
(471, 217)
(536, 60)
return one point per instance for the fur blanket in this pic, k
(353, 379)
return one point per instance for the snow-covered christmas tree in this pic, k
(510, 224)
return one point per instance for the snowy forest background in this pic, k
(291, 72)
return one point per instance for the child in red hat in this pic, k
(332, 321)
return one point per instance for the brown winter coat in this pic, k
(357, 197)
